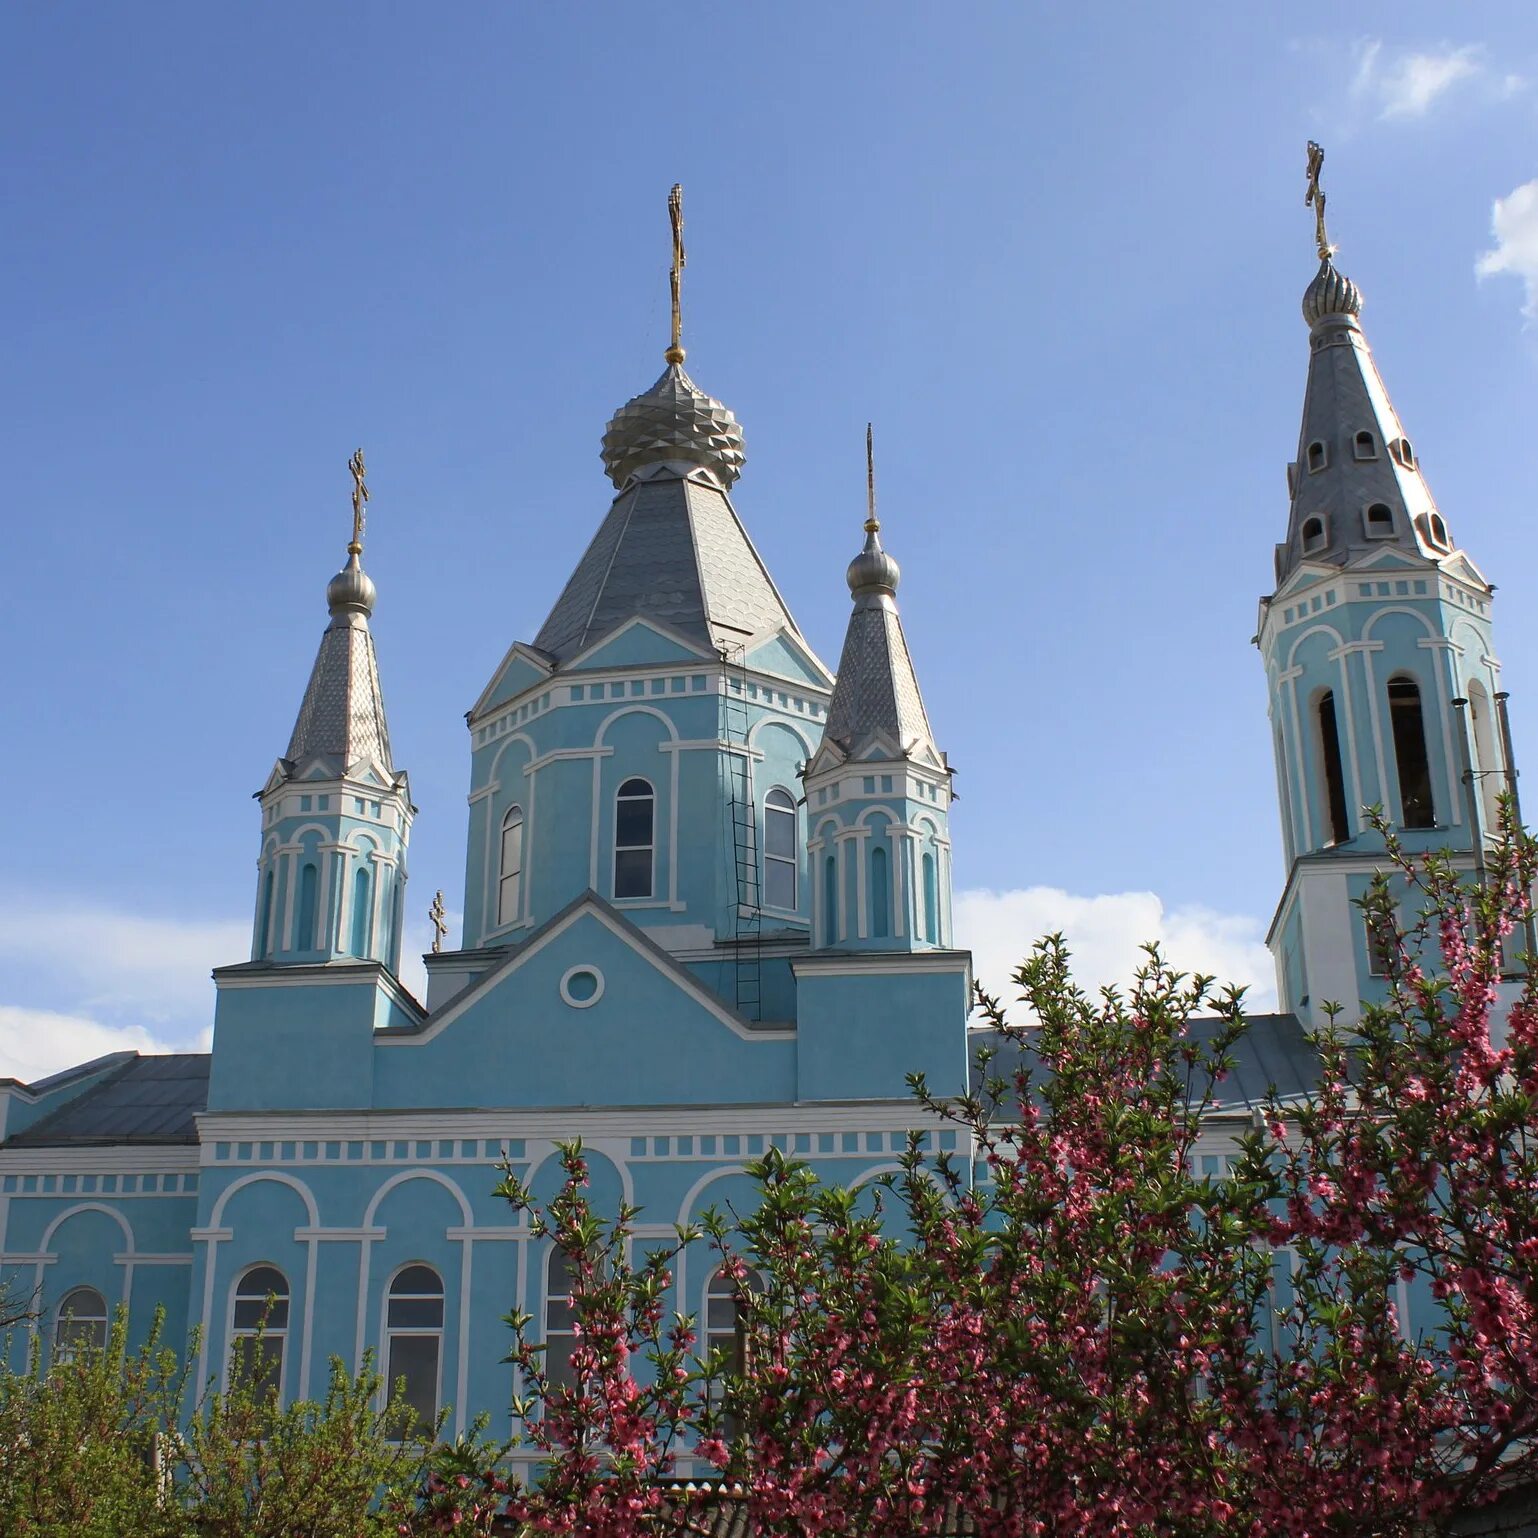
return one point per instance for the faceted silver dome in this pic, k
(351, 589)
(873, 570)
(1331, 293)
(674, 419)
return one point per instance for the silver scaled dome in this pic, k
(351, 589)
(675, 419)
(873, 570)
(1331, 293)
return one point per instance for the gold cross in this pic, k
(1314, 198)
(359, 502)
(871, 524)
(675, 353)
(440, 921)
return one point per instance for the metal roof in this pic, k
(342, 717)
(151, 1099)
(671, 549)
(1273, 1054)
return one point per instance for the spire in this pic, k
(342, 717)
(876, 697)
(1356, 485)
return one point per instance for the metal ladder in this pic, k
(743, 816)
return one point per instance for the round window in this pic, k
(582, 987)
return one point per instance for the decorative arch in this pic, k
(45, 1248)
(1313, 630)
(791, 727)
(494, 770)
(423, 1173)
(276, 1177)
(1382, 614)
(633, 710)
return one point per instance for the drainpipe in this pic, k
(1530, 934)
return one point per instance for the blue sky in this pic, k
(1055, 253)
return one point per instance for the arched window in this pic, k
(724, 1322)
(1406, 454)
(264, 944)
(1380, 520)
(1439, 530)
(414, 1340)
(560, 1334)
(1334, 776)
(81, 1323)
(1415, 804)
(1317, 457)
(635, 816)
(880, 894)
(830, 913)
(510, 869)
(259, 1328)
(1366, 447)
(931, 901)
(362, 905)
(780, 858)
(309, 887)
(1313, 533)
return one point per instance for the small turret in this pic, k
(878, 789)
(336, 814)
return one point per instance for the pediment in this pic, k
(522, 668)
(640, 642)
(1391, 558)
(787, 656)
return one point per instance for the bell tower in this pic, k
(1381, 672)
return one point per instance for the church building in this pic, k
(707, 911)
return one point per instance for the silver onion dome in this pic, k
(1331, 293)
(351, 589)
(873, 570)
(675, 419)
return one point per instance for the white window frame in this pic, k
(783, 806)
(650, 847)
(65, 1316)
(389, 1332)
(510, 897)
(269, 1331)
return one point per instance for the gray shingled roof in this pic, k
(342, 717)
(877, 691)
(672, 550)
(1346, 395)
(151, 1099)
(1273, 1054)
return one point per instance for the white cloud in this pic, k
(1399, 83)
(1514, 223)
(1105, 932)
(37, 1042)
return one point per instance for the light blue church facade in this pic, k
(707, 911)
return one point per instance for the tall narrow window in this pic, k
(560, 1331)
(880, 894)
(1487, 768)
(362, 904)
(1415, 804)
(309, 887)
(1334, 777)
(264, 945)
(1313, 533)
(931, 902)
(724, 1324)
(830, 900)
(414, 1341)
(259, 1329)
(82, 1323)
(510, 870)
(635, 817)
(780, 857)
(1439, 530)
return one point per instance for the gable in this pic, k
(1389, 557)
(642, 1032)
(520, 669)
(638, 642)
(785, 657)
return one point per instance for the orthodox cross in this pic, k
(359, 502)
(675, 353)
(871, 522)
(1314, 198)
(440, 922)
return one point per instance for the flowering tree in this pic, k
(1130, 1306)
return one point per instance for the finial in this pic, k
(872, 523)
(675, 353)
(1314, 198)
(438, 914)
(359, 501)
